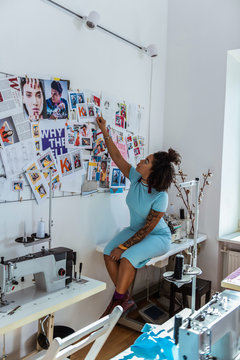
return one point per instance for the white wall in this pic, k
(199, 35)
(39, 39)
(230, 189)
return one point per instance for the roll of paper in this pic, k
(41, 229)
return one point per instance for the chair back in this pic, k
(96, 332)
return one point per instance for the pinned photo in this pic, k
(56, 98)
(96, 100)
(33, 98)
(123, 110)
(82, 111)
(98, 111)
(35, 130)
(136, 151)
(77, 160)
(91, 110)
(135, 141)
(66, 166)
(86, 142)
(119, 121)
(34, 176)
(17, 185)
(46, 161)
(55, 182)
(8, 132)
(40, 189)
(122, 180)
(104, 174)
(115, 181)
(73, 100)
(37, 145)
(81, 98)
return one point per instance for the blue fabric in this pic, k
(155, 345)
(140, 202)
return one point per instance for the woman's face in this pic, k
(33, 98)
(144, 167)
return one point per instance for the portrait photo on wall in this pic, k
(82, 111)
(56, 93)
(115, 180)
(77, 160)
(33, 98)
(75, 98)
(8, 132)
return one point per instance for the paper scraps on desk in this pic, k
(37, 181)
(53, 136)
(16, 156)
(78, 135)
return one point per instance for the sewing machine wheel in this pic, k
(21, 240)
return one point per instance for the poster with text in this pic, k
(53, 136)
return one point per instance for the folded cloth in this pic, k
(155, 345)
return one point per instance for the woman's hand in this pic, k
(101, 123)
(116, 254)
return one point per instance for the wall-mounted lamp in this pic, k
(92, 23)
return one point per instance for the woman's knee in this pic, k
(126, 262)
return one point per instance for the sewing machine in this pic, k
(213, 332)
(52, 270)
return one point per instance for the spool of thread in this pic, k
(182, 216)
(41, 229)
(178, 271)
(177, 324)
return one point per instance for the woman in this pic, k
(148, 235)
(6, 133)
(33, 98)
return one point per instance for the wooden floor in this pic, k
(119, 339)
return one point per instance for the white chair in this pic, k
(96, 332)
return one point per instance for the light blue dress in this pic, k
(140, 202)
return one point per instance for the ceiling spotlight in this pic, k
(151, 50)
(92, 20)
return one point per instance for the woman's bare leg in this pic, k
(126, 274)
(112, 268)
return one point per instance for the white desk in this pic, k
(175, 248)
(35, 305)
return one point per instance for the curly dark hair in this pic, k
(162, 172)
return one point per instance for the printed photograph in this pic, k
(45, 161)
(17, 185)
(80, 98)
(66, 167)
(122, 180)
(104, 174)
(40, 189)
(1, 97)
(119, 121)
(136, 151)
(37, 145)
(130, 145)
(96, 100)
(8, 132)
(91, 110)
(98, 111)
(115, 177)
(135, 141)
(34, 176)
(33, 98)
(55, 183)
(35, 130)
(77, 160)
(82, 111)
(123, 110)
(56, 93)
(73, 100)
(86, 141)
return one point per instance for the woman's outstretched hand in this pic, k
(116, 254)
(101, 123)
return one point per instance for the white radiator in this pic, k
(231, 262)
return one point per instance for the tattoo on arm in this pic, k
(152, 220)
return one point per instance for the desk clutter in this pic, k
(45, 125)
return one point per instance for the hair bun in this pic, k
(174, 156)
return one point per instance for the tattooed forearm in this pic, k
(152, 220)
